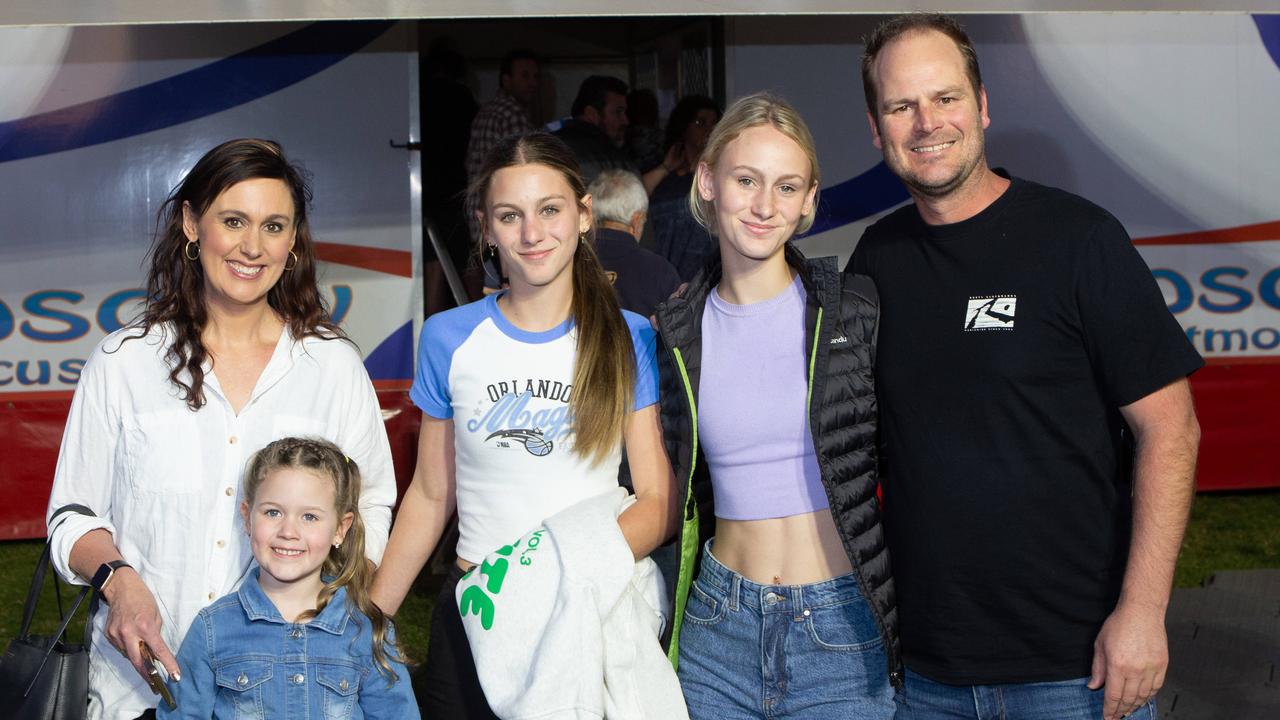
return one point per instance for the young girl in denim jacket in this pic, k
(300, 638)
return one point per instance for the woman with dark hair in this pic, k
(233, 349)
(678, 237)
(688, 127)
(528, 398)
(644, 136)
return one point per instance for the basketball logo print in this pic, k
(532, 440)
(538, 445)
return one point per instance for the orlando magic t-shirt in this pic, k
(508, 392)
(1007, 344)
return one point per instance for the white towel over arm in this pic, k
(564, 624)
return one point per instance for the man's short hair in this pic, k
(594, 92)
(509, 60)
(617, 195)
(899, 25)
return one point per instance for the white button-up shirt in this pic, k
(166, 481)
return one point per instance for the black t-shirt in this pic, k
(1008, 342)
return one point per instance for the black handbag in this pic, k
(43, 677)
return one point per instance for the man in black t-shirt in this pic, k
(1039, 440)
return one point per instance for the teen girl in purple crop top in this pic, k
(776, 624)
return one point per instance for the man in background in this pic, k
(641, 278)
(519, 80)
(598, 128)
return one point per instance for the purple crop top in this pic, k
(751, 408)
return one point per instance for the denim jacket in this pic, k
(241, 661)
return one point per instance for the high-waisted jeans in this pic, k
(781, 651)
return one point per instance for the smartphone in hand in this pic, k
(156, 675)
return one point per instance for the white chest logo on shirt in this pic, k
(990, 312)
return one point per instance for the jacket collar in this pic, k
(257, 606)
(615, 236)
(505, 97)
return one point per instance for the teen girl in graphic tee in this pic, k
(508, 392)
(528, 398)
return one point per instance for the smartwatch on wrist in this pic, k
(106, 571)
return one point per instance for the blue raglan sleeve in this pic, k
(644, 341)
(395, 701)
(442, 335)
(430, 390)
(196, 692)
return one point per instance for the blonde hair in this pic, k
(604, 370)
(754, 110)
(346, 564)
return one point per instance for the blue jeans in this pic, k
(781, 651)
(924, 699)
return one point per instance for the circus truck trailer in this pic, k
(1163, 119)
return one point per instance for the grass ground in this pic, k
(1228, 531)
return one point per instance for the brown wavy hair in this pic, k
(604, 370)
(175, 284)
(346, 565)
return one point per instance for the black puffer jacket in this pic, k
(842, 420)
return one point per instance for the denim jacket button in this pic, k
(242, 680)
(295, 633)
(343, 685)
(297, 679)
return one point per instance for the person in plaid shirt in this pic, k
(508, 113)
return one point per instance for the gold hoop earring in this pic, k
(289, 267)
(582, 237)
(186, 250)
(492, 250)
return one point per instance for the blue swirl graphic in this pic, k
(220, 85)
(393, 358)
(861, 196)
(1269, 29)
